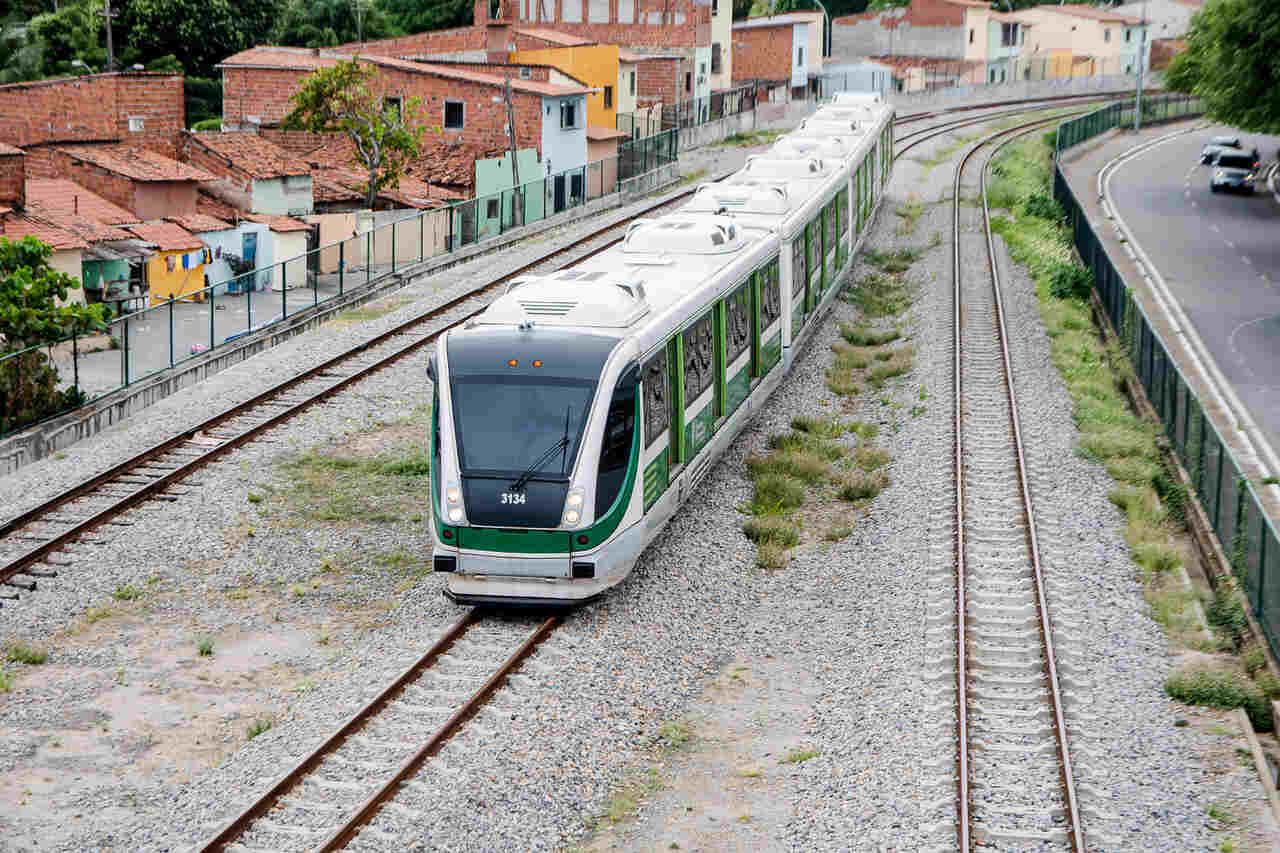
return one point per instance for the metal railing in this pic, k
(143, 343)
(688, 113)
(1229, 500)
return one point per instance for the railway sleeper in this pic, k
(992, 836)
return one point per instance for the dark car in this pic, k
(1216, 145)
(1233, 170)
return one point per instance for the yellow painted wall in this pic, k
(596, 65)
(165, 285)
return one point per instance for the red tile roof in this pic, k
(198, 222)
(325, 189)
(167, 236)
(250, 153)
(6, 150)
(68, 197)
(15, 228)
(207, 205)
(277, 222)
(306, 60)
(82, 226)
(137, 164)
(625, 55)
(554, 37)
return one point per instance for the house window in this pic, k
(702, 69)
(491, 209)
(715, 58)
(568, 115)
(608, 97)
(526, 73)
(800, 56)
(135, 124)
(633, 82)
(1106, 35)
(1127, 35)
(970, 35)
(453, 115)
(715, 7)
(1008, 35)
(688, 81)
(392, 106)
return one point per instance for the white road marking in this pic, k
(1235, 351)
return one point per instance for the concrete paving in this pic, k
(1220, 255)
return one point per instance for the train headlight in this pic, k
(455, 514)
(453, 497)
(573, 507)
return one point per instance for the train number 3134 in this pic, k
(513, 497)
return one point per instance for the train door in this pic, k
(698, 363)
(799, 288)
(739, 352)
(659, 454)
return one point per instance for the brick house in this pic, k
(150, 185)
(774, 52)
(13, 177)
(933, 28)
(276, 180)
(463, 108)
(139, 109)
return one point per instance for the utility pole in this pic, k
(1142, 50)
(107, 15)
(517, 207)
(359, 22)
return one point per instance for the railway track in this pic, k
(324, 801)
(32, 544)
(1015, 776)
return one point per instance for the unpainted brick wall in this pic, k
(12, 180)
(682, 23)
(216, 164)
(924, 28)
(656, 81)
(264, 94)
(762, 53)
(114, 188)
(94, 108)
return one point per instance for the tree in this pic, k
(342, 99)
(201, 32)
(73, 32)
(1232, 63)
(414, 16)
(324, 23)
(30, 317)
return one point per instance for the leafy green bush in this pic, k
(1253, 660)
(1226, 614)
(1068, 281)
(1041, 205)
(208, 124)
(1268, 684)
(1220, 688)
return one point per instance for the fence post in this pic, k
(171, 329)
(75, 359)
(315, 283)
(368, 256)
(342, 264)
(124, 350)
(284, 292)
(422, 236)
(393, 245)
(248, 301)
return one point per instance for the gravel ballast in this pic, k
(846, 623)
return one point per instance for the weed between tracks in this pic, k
(1149, 494)
(750, 138)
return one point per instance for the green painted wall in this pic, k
(493, 176)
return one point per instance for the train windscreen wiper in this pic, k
(561, 444)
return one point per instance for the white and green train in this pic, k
(577, 414)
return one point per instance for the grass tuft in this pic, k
(828, 428)
(204, 647)
(772, 530)
(857, 486)
(258, 726)
(862, 336)
(22, 653)
(799, 756)
(127, 592)
(1216, 687)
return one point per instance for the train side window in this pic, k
(797, 266)
(657, 398)
(738, 321)
(699, 358)
(615, 451)
(815, 246)
(770, 296)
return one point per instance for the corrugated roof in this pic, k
(299, 59)
(197, 222)
(17, 227)
(250, 153)
(167, 236)
(137, 164)
(68, 197)
(554, 37)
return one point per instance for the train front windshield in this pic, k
(520, 403)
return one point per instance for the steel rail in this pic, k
(965, 814)
(1074, 830)
(97, 519)
(386, 791)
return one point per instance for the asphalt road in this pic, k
(1219, 254)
